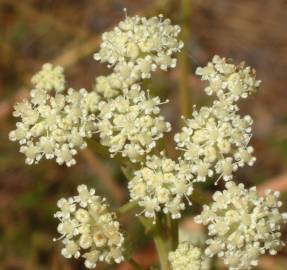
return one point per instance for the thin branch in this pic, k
(126, 208)
(134, 264)
(104, 175)
(172, 226)
(184, 90)
(161, 246)
(174, 233)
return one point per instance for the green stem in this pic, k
(134, 264)
(200, 197)
(161, 246)
(183, 60)
(159, 240)
(148, 225)
(128, 172)
(126, 208)
(172, 225)
(156, 229)
(174, 234)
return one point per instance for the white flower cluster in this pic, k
(227, 79)
(137, 46)
(160, 186)
(186, 256)
(242, 225)
(49, 78)
(130, 124)
(88, 229)
(216, 138)
(195, 238)
(109, 86)
(54, 122)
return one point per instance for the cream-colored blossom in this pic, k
(88, 229)
(242, 225)
(137, 46)
(54, 123)
(227, 79)
(130, 124)
(109, 86)
(186, 256)
(49, 78)
(196, 238)
(159, 186)
(215, 141)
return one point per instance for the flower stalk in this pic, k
(126, 208)
(134, 264)
(161, 245)
(184, 91)
(174, 233)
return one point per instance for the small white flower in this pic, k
(136, 47)
(67, 207)
(85, 196)
(88, 229)
(186, 256)
(215, 140)
(70, 250)
(49, 78)
(130, 124)
(53, 124)
(242, 225)
(108, 86)
(227, 79)
(160, 186)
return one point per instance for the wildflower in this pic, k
(137, 46)
(242, 225)
(130, 124)
(186, 256)
(49, 78)
(88, 229)
(196, 239)
(159, 186)
(227, 79)
(109, 86)
(54, 123)
(215, 140)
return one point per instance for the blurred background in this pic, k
(67, 32)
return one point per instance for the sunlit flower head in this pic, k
(138, 45)
(130, 124)
(88, 229)
(186, 256)
(54, 123)
(242, 225)
(215, 141)
(227, 79)
(159, 186)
